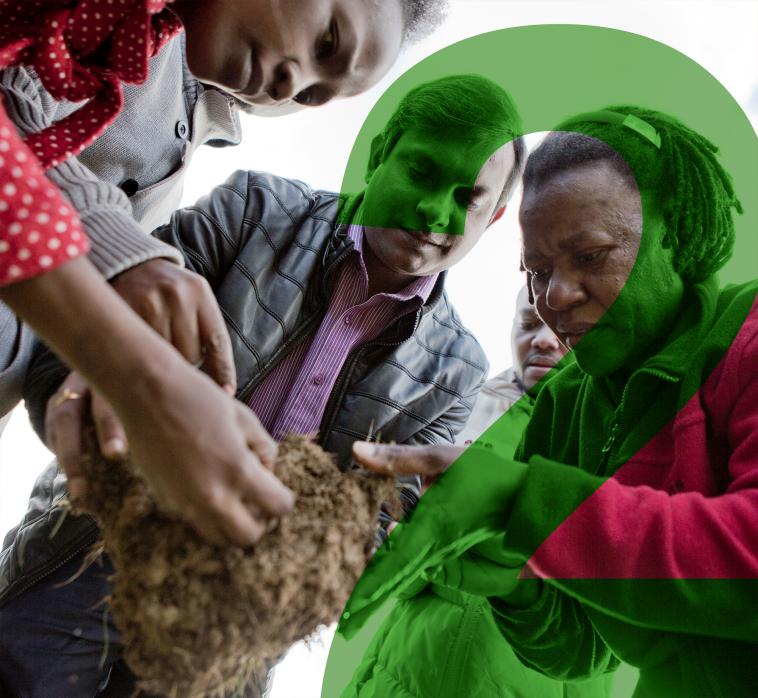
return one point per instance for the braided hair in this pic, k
(661, 156)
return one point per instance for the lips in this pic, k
(541, 361)
(539, 365)
(424, 238)
(571, 334)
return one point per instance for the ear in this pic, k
(376, 157)
(496, 216)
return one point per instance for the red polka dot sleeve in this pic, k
(39, 231)
(82, 50)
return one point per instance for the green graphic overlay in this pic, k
(554, 73)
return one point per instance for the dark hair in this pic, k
(692, 189)
(468, 106)
(421, 18)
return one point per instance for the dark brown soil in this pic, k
(197, 619)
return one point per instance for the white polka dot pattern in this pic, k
(82, 50)
(38, 229)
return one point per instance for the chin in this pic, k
(412, 263)
(408, 269)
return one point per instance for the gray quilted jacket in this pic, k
(269, 248)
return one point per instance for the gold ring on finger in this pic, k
(67, 394)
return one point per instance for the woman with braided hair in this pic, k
(626, 525)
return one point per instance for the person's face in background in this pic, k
(535, 348)
(430, 199)
(275, 52)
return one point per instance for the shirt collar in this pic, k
(420, 288)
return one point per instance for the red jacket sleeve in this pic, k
(39, 231)
(697, 551)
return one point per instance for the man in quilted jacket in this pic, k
(339, 323)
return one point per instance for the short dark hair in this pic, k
(421, 18)
(468, 106)
(683, 174)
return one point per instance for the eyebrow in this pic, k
(419, 154)
(567, 244)
(528, 313)
(532, 258)
(574, 239)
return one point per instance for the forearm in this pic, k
(85, 322)
(553, 634)
(16, 347)
(681, 563)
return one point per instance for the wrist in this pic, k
(93, 330)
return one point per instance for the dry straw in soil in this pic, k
(199, 620)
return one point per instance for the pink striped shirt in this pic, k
(293, 397)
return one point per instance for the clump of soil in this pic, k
(200, 620)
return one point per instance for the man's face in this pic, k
(535, 348)
(430, 199)
(273, 52)
(582, 232)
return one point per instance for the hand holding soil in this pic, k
(197, 619)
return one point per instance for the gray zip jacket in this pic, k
(144, 153)
(269, 248)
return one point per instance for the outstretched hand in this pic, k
(428, 462)
(468, 505)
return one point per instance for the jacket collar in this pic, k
(693, 322)
(674, 359)
(505, 385)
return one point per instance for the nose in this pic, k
(544, 338)
(435, 209)
(564, 291)
(289, 79)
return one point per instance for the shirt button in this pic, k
(348, 320)
(129, 186)
(182, 129)
(318, 379)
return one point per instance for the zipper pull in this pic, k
(605, 451)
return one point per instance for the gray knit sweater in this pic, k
(128, 182)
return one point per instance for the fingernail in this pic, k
(361, 448)
(115, 447)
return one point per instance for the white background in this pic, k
(313, 146)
